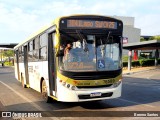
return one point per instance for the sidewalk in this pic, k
(139, 69)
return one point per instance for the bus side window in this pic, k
(30, 46)
(43, 48)
(37, 43)
(43, 53)
(43, 40)
(30, 54)
(20, 52)
(36, 49)
(35, 55)
(33, 44)
(30, 51)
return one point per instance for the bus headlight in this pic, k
(73, 87)
(67, 85)
(117, 83)
(63, 83)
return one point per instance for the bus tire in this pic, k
(44, 92)
(22, 82)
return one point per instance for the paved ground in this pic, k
(140, 92)
(139, 69)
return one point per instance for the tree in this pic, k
(142, 39)
(155, 37)
(151, 38)
(8, 53)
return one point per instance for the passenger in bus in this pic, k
(67, 54)
(68, 48)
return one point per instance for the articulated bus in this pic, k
(76, 58)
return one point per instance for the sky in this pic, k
(21, 18)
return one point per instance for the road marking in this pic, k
(135, 102)
(28, 100)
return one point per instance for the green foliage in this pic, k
(155, 37)
(142, 62)
(142, 39)
(141, 57)
(7, 63)
(125, 64)
(125, 58)
(8, 53)
(158, 61)
(151, 38)
(135, 63)
(149, 62)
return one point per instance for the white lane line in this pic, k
(135, 102)
(22, 96)
(28, 100)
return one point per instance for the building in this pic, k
(130, 33)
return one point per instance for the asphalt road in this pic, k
(141, 92)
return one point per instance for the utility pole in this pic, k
(1, 54)
(129, 60)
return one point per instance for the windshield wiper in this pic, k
(102, 48)
(85, 45)
(107, 40)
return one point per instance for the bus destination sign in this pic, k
(91, 24)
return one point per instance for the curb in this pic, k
(129, 73)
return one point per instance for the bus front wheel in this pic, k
(44, 92)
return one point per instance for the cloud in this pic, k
(21, 18)
(149, 24)
(17, 24)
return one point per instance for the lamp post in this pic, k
(129, 59)
(1, 54)
(156, 57)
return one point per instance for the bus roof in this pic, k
(56, 21)
(32, 36)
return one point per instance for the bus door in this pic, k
(51, 65)
(26, 64)
(17, 66)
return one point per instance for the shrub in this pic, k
(149, 62)
(142, 62)
(125, 64)
(8, 63)
(159, 61)
(135, 63)
(125, 58)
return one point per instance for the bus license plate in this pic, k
(97, 94)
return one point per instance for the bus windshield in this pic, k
(89, 53)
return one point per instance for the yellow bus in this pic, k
(76, 58)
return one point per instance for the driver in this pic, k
(67, 54)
